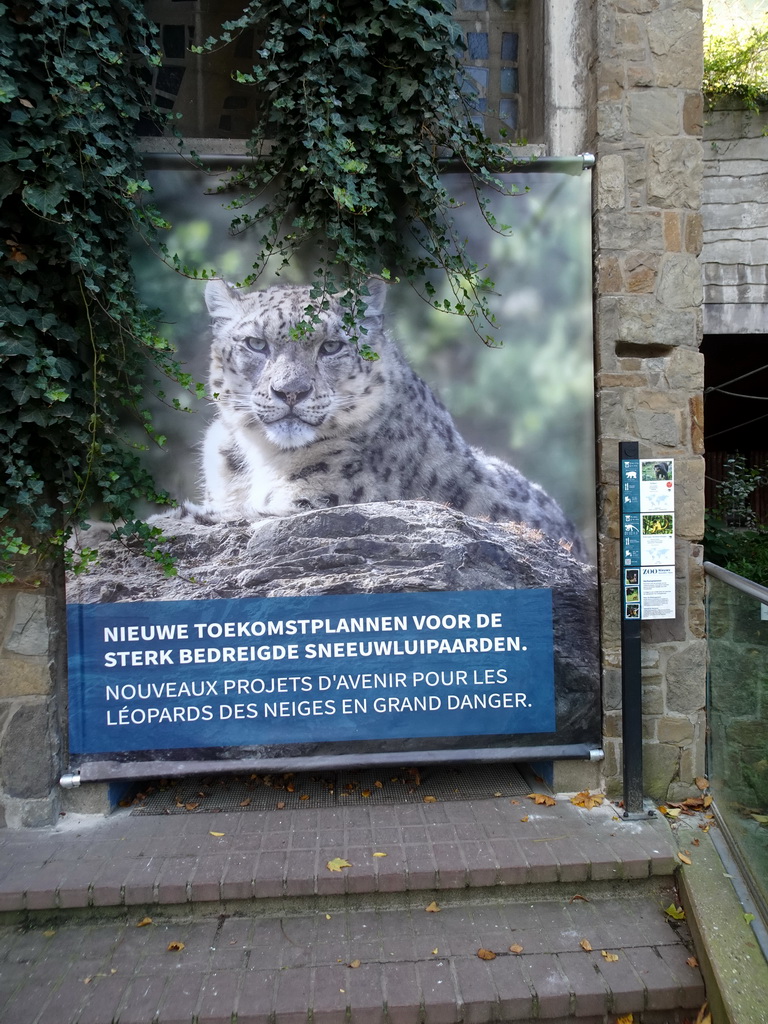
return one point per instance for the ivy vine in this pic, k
(359, 105)
(76, 344)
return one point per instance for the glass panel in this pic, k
(474, 5)
(508, 112)
(510, 44)
(477, 45)
(509, 80)
(738, 723)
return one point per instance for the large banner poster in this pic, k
(376, 558)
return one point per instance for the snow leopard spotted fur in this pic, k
(309, 423)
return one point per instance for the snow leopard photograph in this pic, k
(501, 433)
(404, 460)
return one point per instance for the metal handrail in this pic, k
(741, 583)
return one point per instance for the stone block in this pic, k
(679, 730)
(684, 370)
(628, 231)
(672, 232)
(680, 281)
(26, 753)
(686, 678)
(675, 171)
(610, 182)
(653, 699)
(612, 689)
(689, 497)
(660, 767)
(642, 320)
(28, 628)
(24, 677)
(609, 278)
(610, 121)
(693, 114)
(640, 269)
(654, 112)
(674, 37)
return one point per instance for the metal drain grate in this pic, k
(330, 789)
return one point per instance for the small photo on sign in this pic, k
(631, 577)
(633, 611)
(656, 469)
(631, 594)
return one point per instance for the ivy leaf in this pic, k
(44, 200)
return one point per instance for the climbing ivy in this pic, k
(358, 107)
(76, 344)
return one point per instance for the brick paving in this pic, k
(271, 936)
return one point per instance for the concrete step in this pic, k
(175, 859)
(351, 963)
(269, 933)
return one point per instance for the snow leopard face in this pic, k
(290, 390)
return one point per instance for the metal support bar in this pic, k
(631, 691)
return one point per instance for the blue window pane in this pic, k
(474, 5)
(509, 81)
(508, 112)
(477, 45)
(477, 80)
(510, 44)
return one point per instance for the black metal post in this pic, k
(631, 685)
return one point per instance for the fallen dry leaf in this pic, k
(280, 806)
(175, 947)
(304, 796)
(217, 834)
(525, 818)
(246, 802)
(379, 855)
(542, 798)
(435, 951)
(498, 794)
(516, 948)
(587, 799)
(49, 933)
(578, 896)
(707, 801)
(701, 782)
(692, 961)
(676, 913)
(366, 793)
(704, 1016)
(191, 807)
(378, 784)
(695, 842)
(337, 864)
(355, 963)
(586, 945)
(430, 799)
(684, 858)
(433, 908)
(144, 922)
(486, 954)
(628, 1018)
(327, 917)
(762, 819)
(609, 957)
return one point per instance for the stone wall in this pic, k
(29, 723)
(735, 208)
(647, 233)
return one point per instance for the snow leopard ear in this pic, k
(221, 300)
(376, 297)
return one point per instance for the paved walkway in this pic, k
(208, 918)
